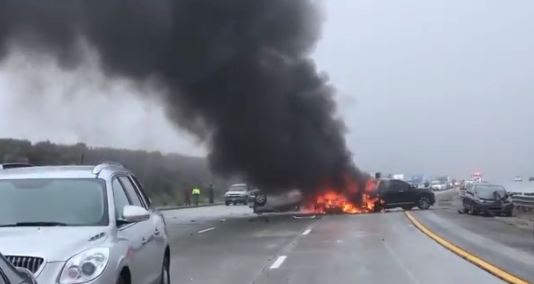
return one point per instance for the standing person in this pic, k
(187, 196)
(211, 194)
(196, 195)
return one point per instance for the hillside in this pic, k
(163, 175)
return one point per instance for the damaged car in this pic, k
(486, 198)
(279, 202)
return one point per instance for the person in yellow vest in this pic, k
(196, 194)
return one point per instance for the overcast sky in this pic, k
(433, 87)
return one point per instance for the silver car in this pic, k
(438, 185)
(82, 224)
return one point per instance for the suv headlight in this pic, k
(85, 266)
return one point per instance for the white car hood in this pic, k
(51, 243)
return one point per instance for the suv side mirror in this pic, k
(134, 214)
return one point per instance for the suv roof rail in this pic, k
(15, 165)
(98, 168)
(111, 163)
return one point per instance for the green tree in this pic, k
(163, 175)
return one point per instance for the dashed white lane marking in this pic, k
(278, 262)
(206, 230)
(306, 232)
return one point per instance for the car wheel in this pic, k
(227, 203)
(260, 200)
(465, 208)
(423, 203)
(377, 207)
(121, 280)
(165, 277)
(472, 210)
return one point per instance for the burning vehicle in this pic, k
(330, 202)
(289, 201)
(350, 200)
(377, 195)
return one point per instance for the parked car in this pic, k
(492, 199)
(237, 194)
(82, 224)
(438, 185)
(393, 193)
(14, 275)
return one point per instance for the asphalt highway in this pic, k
(229, 245)
(506, 242)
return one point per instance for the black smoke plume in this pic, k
(237, 74)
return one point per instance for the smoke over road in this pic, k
(237, 74)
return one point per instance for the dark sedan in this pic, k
(491, 199)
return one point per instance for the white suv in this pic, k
(82, 224)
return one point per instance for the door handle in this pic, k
(144, 241)
(156, 232)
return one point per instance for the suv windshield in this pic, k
(488, 191)
(53, 202)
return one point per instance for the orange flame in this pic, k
(333, 201)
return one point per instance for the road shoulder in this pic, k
(497, 243)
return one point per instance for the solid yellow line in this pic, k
(494, 270)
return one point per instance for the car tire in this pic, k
(377, 207)
(472, 210)
(121, 280)
(260, 200)
(227, 203)
(465, 209)
(165, 277)
(423, 203)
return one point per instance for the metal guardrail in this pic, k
(523, 201)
